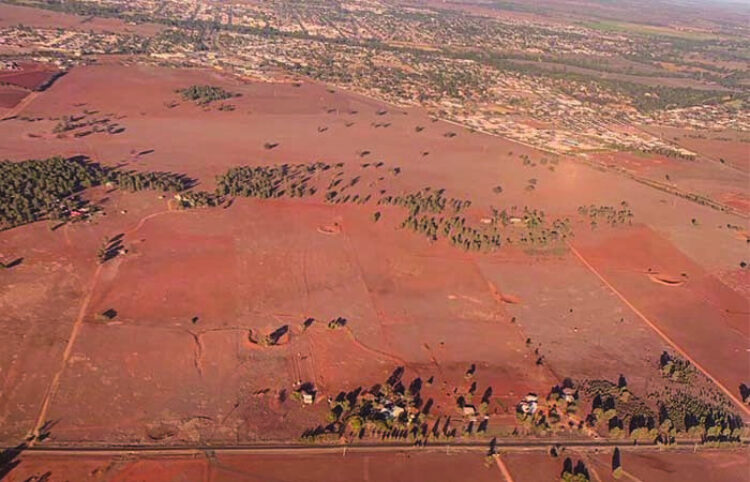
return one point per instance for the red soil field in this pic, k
(637, 163)
(30, 76)
(738, 200)
(12, 15)
(703, 176)
(154, 376)
(709, 465)
(701, 315)
(11, 96)
(731, 146)
(534, 466)
(453, 330)
(599, 338)
(16, 84)
(396, 466)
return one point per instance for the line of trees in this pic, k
(270, 181)
(39, 189)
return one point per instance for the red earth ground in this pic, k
(12, 15)
(396, 466)
(637, 466)
(154, 376)
(11, 96)
(453, 465)
(731, 146)
(28, 76)
(16, 84)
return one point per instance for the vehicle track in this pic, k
(55, 384)
(683, 353)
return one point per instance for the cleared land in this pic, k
(177, 364)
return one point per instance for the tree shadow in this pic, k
(580, 469)
(492, 450)
(10, 457)
(744, 392)
(339, 322)
(415, 386)
(12, 264)
(482, 428)
(395, 376)
(622, 382)
(487, 395)
(278, 333)
(108, 315)
(616, 462)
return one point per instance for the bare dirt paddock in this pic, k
(451, 465)
(176, 363)
(634, 466)
(396, 466)
(11, 15)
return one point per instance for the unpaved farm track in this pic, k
(20, 106)
(54, 385)
(77, 325)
